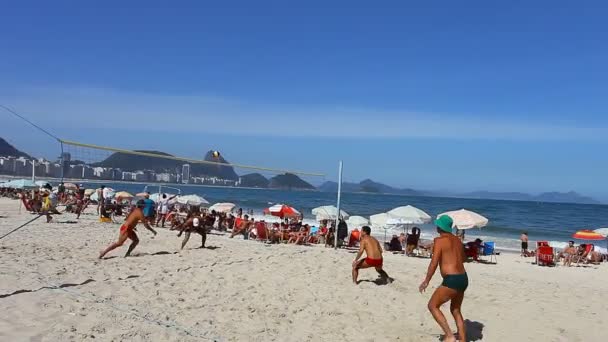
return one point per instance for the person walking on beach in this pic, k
(373, 256)
(524, 244)
(193, 225)
(448, 254)
(127, 230)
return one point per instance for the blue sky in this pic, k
(456, 96)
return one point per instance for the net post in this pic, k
(61, 160)
(338, 205)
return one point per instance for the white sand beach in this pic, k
(247, 291)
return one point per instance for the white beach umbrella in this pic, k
(195, 200)
(21, 184)
(222, 207)
(357, 221)
(328, 212)
(89, 192)
(466, 219)
(379, 220)
(409, 215)
(602, 231)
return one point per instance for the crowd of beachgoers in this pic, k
(284, 224)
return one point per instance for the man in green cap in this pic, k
(448, 254)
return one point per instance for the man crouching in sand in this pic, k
(373, 256)
(448, 253)
(127, 230)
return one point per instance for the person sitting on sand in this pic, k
(412, 241)
(394, 245)
(302, 235)
(193, 225)
(471, 249)
(127, 230)
(567, 253)
(448, 254)
(373, 256)
(242, 227)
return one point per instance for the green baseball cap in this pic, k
(445, 223)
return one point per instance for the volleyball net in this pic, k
(81, 161)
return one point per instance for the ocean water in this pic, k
(554, 222)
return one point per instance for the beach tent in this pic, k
(466, 219)
(21, 184)
(328, 212)
(409, 215)
(357, 221)
(194, 200)
(282, 211)
(222, 207)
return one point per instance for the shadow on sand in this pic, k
(377, 281)
(474, 331)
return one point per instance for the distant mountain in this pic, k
(289, 181)
(368, 186)
(565, 197)
(511, 196)
(553, 197)
(254, 180)
(133, 162)
(8, 150)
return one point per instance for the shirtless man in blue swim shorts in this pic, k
(448, 254)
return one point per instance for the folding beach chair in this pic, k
(545, 256)
(543, 245)
(488, 249)
(262, 231)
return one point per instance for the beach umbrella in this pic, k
(142, 194)
(123, 195)
(21, 184)
(409, 215)
(41, 183)
(602, 231)
(328, 212)
(194, 200)
(89, 192)
(466, 219)
(587, 234)
(357, 221)
(222, 207)
(282, 211)
(70, 186)
(379, 220)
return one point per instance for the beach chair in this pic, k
(354, 238)
(313, 235)
(545, 256)
(262, 231)
(577, 259)
(489, 250)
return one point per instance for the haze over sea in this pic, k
(555, 222)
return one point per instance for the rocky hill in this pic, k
(8, 150)
(133, 162)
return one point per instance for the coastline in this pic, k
(246, 290)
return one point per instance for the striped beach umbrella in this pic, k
(587, 234)
(282, 211)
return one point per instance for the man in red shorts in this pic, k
(127, 230)
(373, 256)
